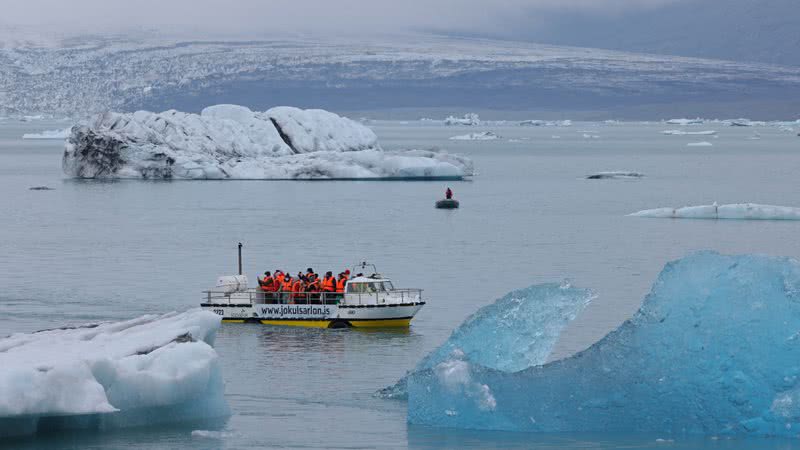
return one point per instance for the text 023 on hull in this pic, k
(367, 301)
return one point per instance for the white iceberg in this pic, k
(143, 371)
(699, 144)
(469, 119)
(743, 123)
(615, 174)
(749, 211)
(689, 133)
(48, 134)
(685, 121)
(233, 142)
(545, 123)
(482, 136)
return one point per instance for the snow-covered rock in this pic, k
(48, 134)
(689, 133)
(233, 142)
(752, 211)
(699, 144)
(617, 174)
(143, 371)
(469, 119)
(482, 136)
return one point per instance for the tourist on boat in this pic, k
(268, 283)
(329, 282)
(286, 287)
(310, 273)
(313, 284)
(298, 288)
(279, 276)
(448, 194)
(340, 283)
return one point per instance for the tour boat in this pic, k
(369, 300)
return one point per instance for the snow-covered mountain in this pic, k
(80, 76)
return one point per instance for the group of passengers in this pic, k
(305, 286)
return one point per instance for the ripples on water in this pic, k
(92, 251)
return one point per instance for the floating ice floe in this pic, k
(712, 350)
(546, 123)
(700, 144)
(211, 434)
(233, 142)
(685, 121)
(469, 119)
(689, 133)
(743, 123)
(143, 371)
(617, 174)
(590, 136)
(31, 118)
(751, 211)
(482, 136)
(48, 134)
(515, 332)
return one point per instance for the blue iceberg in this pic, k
(714, 349)
(515, 332)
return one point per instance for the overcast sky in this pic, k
(303, 16)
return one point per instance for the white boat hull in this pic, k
(322, 316)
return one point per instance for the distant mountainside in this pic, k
(86, 75)
(737, 30)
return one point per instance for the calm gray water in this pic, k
(90, 251)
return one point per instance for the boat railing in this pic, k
(410, 295)
(257, 296)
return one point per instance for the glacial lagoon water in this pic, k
(89, 251)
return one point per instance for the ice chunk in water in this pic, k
(742, 211)
(143, 371)
(712, 350)
(517, 331)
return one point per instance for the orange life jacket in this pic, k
(268, 284)
(280, 277)
(298, 287)
(286, 286)
(340, 284)
(329, 284)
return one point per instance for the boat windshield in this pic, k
(369, 288)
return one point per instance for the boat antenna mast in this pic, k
(362, 266)
(240, 258)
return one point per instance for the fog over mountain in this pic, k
(737, 30)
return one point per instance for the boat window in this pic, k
(387, 285)
(367, 288)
